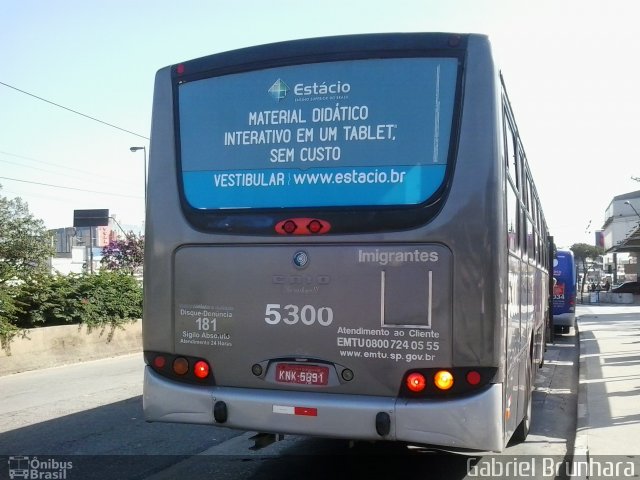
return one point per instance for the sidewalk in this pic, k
(609, 388)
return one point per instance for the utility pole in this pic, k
(91, 249)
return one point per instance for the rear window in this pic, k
(372, 132)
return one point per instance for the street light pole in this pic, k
(144, 150)
(627, 202)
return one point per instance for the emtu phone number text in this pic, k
(385, 343)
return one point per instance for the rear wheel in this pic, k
(543, 345)
(522, 431)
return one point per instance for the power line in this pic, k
(65, 174)
(74, 111)
(40, 169)
(65, 168)
(70, 188)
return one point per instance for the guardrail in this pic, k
(609, 297)
(47, 347)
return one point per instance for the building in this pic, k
(77, 247)
(621, 236)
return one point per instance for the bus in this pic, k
(344, 240)
(564, 291)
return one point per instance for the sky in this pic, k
(570, 68)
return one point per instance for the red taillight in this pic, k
(416, 382)
(315, 226)
(201, 369)
(473, 378)
(159, 362)
(302, 226)
(181, 368)
(289, 227)
(180, 69)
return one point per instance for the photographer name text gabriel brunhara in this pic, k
(531, 467)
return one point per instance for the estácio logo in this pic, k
(279, 90)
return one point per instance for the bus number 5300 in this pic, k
(292, 314)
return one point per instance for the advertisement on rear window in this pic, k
(558, 294)
(366, 132)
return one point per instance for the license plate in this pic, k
(302, 374)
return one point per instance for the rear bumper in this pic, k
(472, 422)
(564, 319)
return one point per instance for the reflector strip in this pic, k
(302, 411)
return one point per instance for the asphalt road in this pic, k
(85, 421)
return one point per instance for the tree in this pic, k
(582, 252)
(25, 244)
(25, 247)
(124, 254)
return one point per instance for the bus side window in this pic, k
(511, 160)
(512, 217)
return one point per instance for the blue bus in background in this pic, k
(564, 290)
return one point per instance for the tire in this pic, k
(543, 346)
(522, 431)
(562, 329)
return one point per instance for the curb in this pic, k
(581, 442)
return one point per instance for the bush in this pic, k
(47, 300)
(100, 300)
(110, 298)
